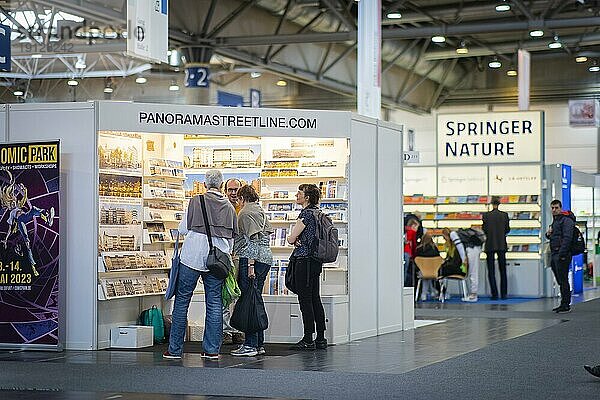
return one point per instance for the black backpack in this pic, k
(577, 240)
(471, 237)
(325, 246)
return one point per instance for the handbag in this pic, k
(249, 314)
(174, 271)
(290, 275)
(218, 262)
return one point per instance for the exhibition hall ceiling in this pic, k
(434, 52)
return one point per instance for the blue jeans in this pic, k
(213, 324)
(261, 270)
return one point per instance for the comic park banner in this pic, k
(29, 244)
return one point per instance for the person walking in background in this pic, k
(255, 258)
(230, 334)
(560, 234)
(307, 269)
(194, 253)
(410, 247)
(496, 226)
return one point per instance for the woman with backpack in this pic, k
(252, 247)
(307, 269)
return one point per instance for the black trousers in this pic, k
(309, 297)
(560, 268)
(492, 272)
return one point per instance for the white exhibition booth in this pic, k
(479, 155)
(126, 166)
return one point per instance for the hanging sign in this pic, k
(197, 77)
(488, 138)
(148, 29)
(5, 33)
(29, 247)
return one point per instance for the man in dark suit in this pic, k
(496, 227)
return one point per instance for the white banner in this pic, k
(515, 179)
(501, 137)
(421, 180)
(148, 29)
(462, 181)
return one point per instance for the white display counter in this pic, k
(99, 295)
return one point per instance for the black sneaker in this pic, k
(555, 309)
(321, 344)
(593, 370)
(563, 309)
(302, 345)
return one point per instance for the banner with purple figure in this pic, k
(29, 244)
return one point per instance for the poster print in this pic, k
(29, 243)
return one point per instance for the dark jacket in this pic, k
(562, 234)
(496, 227)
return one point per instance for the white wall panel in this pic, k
(389, 232)
(74, 125)
(362, 275)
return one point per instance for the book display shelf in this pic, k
(454, 212)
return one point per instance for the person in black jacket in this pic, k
(496, 227)
(560, 234)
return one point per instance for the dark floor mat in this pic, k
(273, 349)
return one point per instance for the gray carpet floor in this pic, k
(545, 364)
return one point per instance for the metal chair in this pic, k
(429, 268)
(444, 283)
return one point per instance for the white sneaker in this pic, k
(244, 351)
(472, 298)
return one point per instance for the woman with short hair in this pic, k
(253, 248)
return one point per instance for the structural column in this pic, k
(369, 58)
(197, 74)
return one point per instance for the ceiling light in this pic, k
(36, 56)
(18, 92)
(255, 74)
(108, 90)
(462, 49)
(72, 82)
(394, 15)
(503, 7)
(536, 33)
(581, 59)
(173, 87)
(141, 80)
(438, 39)
(511, 72)
(555, 44)
(594, 68)
(281, 82)
(494, 63)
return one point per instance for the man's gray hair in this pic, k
(213, 179)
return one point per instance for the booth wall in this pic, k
(576, 146)
(389, 231)
(74, 125)
(362, 282)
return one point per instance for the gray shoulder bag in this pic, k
(218, 263)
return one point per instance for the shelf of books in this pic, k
(130, 195)
(282, 171)
(453, 212)
(146, 181)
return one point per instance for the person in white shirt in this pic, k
(194, 252)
